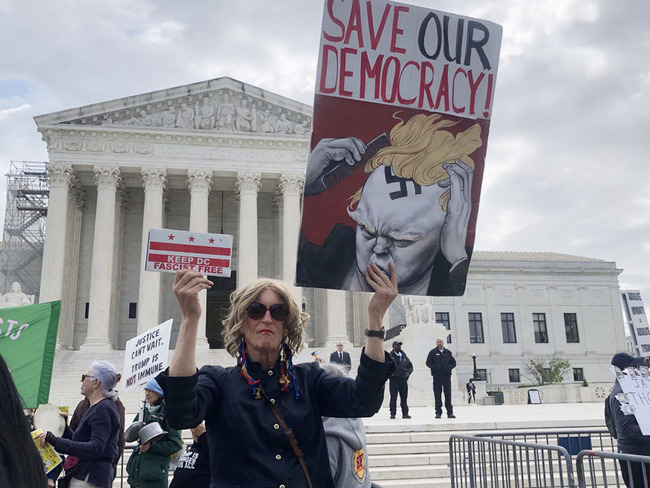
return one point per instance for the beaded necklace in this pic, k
(287, 379)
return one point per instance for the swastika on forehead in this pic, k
(403, 189)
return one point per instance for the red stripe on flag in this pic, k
(189, 260)
(189, 248)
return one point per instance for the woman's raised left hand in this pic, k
(385, 292)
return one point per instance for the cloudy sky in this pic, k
(568, 164)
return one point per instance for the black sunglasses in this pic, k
(84, 376)
(256, 311)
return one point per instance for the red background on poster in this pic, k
(338, 117)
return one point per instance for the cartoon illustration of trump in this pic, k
(412, 210)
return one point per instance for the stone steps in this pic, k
(398, 460)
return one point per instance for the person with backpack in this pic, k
(625, 428)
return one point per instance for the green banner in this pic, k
(27, 343)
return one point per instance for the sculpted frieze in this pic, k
(116, 147)
(232, 153)
(222, 111)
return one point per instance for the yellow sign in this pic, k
(50, 457)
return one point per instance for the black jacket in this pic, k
(334, 358)
(403, 367)
(247, 445)
(440, 362)
(629, 437)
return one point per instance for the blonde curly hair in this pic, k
(420, 146)
(240, 300)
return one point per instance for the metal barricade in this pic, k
(610, 469)
(573, 440)
(121, 474)
(487, 462)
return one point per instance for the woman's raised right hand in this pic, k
(187, 285)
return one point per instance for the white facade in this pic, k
(225, 156)
(527, 285)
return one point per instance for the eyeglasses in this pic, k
(256, 311)
(84, 376)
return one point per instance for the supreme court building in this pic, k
(222, 156)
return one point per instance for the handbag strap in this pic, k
(289, 433)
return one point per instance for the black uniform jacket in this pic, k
(440, 362)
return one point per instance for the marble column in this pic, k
(101, 272)
(153, 180)
(199, 182)
(492, 327)
(336, 316)
(248, 185)
(52, 273)
(122, 204)
(76, 201)
(290, 188)
(360, 302)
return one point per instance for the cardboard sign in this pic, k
(50, 457)
(635, 383)
(637, 320)
(171, 250)
(401, 117)
(146, 356)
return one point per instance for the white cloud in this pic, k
(163, 34)
(7, 112)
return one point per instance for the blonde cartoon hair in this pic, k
(419, 147)
(240, 300)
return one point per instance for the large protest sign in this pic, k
(636, 400)
(401, 117)
(146, 355)
(637, 320)
(171, 250)
(27, 343)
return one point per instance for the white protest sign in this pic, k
(408, 56)
(146, 355)
(636, 387)
(171, 250)
(637, 319)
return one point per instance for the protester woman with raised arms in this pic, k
(248, 408)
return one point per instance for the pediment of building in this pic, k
(221, 105)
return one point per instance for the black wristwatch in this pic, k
(376, 333)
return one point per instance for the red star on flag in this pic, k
(171, 237)
(191, 238)
(211, 240)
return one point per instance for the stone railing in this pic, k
(562, 393)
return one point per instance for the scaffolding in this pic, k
(24, 231)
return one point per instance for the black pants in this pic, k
(636, 469)
(401, 386)
(441, 383)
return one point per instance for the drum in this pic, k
(48, 418)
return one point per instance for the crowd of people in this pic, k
(264, 421)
